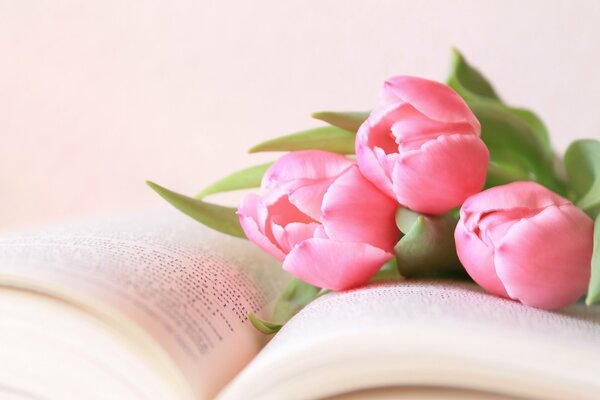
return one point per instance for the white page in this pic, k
(427, 333)
(190, 287)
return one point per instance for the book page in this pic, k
(430, 333)
(189, 287)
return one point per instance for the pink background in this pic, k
(97, 97)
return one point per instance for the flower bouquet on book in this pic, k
(437, 180)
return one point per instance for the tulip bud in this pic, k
(422, 146)
(524, 242)
(329, 225)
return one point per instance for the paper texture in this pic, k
(189, 287)
(428, 334)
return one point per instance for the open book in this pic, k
(152, 305)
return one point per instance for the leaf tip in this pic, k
(456, 59)
(268, 328)
(162, 191)
(591, 298)
(154, 186)
(456, 53)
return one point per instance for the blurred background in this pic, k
(98, 96)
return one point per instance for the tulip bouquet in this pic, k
(437, 180)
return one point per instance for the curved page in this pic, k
(161, 273)
(438, 334)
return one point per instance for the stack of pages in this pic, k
(151, 305)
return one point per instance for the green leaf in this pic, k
(507, 165)
(294, 297)
(500, 129)
(482, 98)
(593, 294)
(219, 218)
(244, 179)
(536, 126)
(328, 138)
(508, 137)
(582, 164)
(266, 327)
(473, 86)
(468, 81)
(427, 247)
(349, 121)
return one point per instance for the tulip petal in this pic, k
(494, 226)
(277, 212)
(378, 127)
(513, 196)
(249, 220)
(442, 174)
(292, 234)
(386, 162)
(433, 99)
(411, 133)
(320, 233)
(373, 163)
(335, 265)
(478, 260)
(282, 211)
(354, 210)
(299, 166)
(309, 198)
(544, 261)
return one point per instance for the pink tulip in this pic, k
(422, 146)
(331, 227)
(524, 242)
